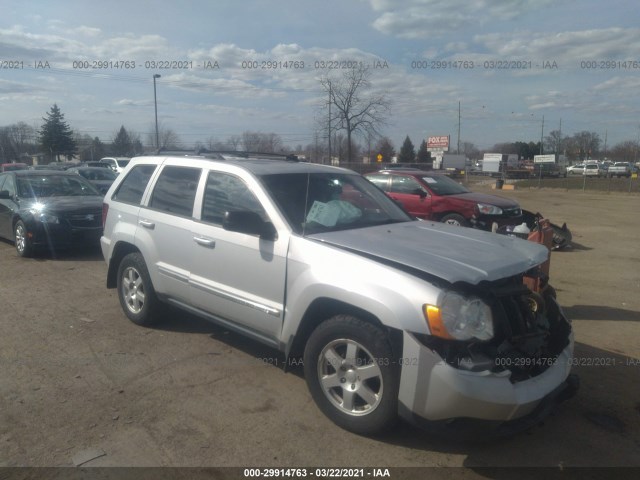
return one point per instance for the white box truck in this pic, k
(551, 165)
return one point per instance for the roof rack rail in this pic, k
(223, 154)
(244, 154)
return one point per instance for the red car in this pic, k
(434, 196)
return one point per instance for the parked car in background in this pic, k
(435, 196)
(57, 166)
(41, 167)
(92, 163)
(388, 315)
(576, 169)
(99, 177)
(116, 164)
(9, 167)
(49, 210)
(593, 170)
(619, 169)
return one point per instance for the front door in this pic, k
(236, 276)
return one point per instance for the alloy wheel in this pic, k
(350, 377)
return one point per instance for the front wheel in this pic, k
(21, 239)
(135, 291)
(351, 374)
(455, 219)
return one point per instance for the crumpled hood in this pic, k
(496, 200)
(448, 252)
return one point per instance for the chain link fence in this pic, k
(570, 183)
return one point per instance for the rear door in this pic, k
(164, 229)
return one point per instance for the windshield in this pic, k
(38, 186)
(325, 202)
(443, 185)
(98, 174)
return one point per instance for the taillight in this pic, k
(105, 210)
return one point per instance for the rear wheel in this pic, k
(350, 372)
(135, 291)
(455, 219)
(22, 241)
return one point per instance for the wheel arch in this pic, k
(121, 250)
(441, 215)
(324, 308)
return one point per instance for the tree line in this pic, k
(349, 124)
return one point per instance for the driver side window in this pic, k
(404, 185)
(9, 186)
(223, 193)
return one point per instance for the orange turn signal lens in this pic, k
(433, 315)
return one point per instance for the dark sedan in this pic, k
(49, 210)
(99, 177)
(435, 196)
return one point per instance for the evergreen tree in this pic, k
(386, 149)
(407, 152)
(56, 137)
(122, 145)
(98, 149)
(423, 154)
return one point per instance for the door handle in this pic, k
(147, 224)
(205, 242)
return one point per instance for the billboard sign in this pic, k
(438, 143)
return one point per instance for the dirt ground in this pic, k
(81, 385)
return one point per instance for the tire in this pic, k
(22, 242)
(135, 291)
(351, 374)
(455, 219)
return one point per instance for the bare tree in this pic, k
(626, 151)
(584, 144)
(350, 107)
(234, 142)
(167, 137)
(261, 142)
(554, 142)
(17, 139)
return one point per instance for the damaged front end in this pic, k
(508, 382)
(530, 332)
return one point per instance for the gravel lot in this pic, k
(80, 384)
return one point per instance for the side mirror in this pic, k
(5, 195)
(421, 192)
(244, 221)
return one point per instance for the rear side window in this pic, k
(175, 190)
(134, 185)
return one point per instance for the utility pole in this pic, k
(560, 139)
(155, 104)
(329, 122)
(541, 134)
(458, 127)
(605, 144)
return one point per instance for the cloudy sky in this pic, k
(508, 63)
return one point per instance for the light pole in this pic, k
(155, 104)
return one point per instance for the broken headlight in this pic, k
(460, 318)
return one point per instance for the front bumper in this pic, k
(436, 395)
(62, 235)
(485, 222)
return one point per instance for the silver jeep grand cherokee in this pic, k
(391, 316)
